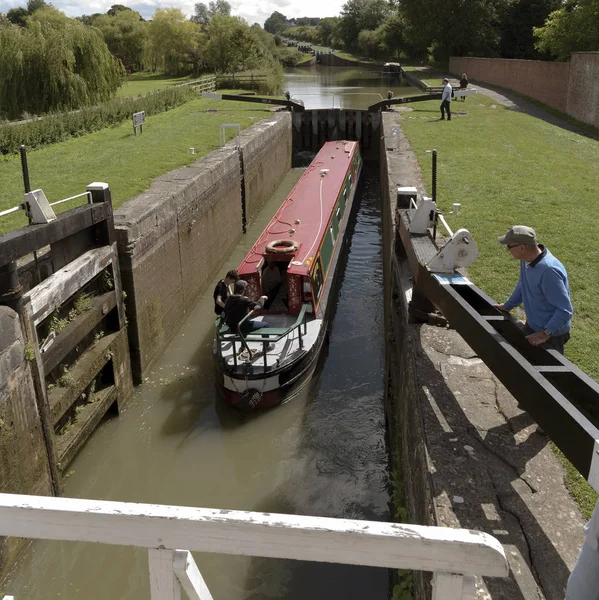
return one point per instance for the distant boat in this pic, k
(303, 241)
(391, 69)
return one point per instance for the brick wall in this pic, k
(24, 465)
(545, 81)
(583, 91)
(174, 237)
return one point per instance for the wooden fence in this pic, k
(455, 556)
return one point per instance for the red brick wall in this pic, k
(583, 91)
(542, 80)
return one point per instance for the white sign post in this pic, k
(139, 119)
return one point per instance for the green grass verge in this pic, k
(139, 84)
(506, 167)
(348, 56)
(305, 58)
(127, 163)
(429, 76)
(577, 485)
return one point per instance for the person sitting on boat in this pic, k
(221, 291)
(271, 281)
(238, 305)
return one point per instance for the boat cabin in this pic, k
(290, 262)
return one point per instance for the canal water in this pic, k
(322, 453)
(342, 87)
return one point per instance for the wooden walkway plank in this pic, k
(76, 330)
(52, 292)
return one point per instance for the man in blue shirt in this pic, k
(542, 288)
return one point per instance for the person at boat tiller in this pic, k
(238, 305)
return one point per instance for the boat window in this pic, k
(316, 279)
(338, 214)
(332, 234)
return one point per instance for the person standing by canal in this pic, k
(446, 100)
(221, 291)
(543, 289)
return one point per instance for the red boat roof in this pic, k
(304, 215)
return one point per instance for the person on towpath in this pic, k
(543, 289)
(446, 100)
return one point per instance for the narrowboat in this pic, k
(294, 264)
(392, 69)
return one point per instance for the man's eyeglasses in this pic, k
(510, 246)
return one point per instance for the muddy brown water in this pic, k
(323, 453)
(342, 87)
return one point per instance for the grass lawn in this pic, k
(348, 56)
(127, 163)
(305, 58)
(138, 84)
(428, 76)
(508, 168)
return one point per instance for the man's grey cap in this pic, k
(519, 234)
(240, 285)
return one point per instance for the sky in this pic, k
(252, 12)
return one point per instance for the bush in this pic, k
(58, 127)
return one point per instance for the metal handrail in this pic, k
(444, 223)
(260, 337)
(22, 206)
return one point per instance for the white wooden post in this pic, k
(448, 586)
(163, 582)
(189, 576)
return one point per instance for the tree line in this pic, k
(53, 62)
(432, 31)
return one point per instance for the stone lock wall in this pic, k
(572, 88)
(266, 149)
(403, 395)
(543, 80)
(173, 238)
(583, 90)
(24, 467)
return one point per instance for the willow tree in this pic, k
(174, 42)
(54, 63)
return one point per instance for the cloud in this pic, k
(251, 12)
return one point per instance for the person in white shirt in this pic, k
(446, 100)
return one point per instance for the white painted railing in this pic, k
(454, 555)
